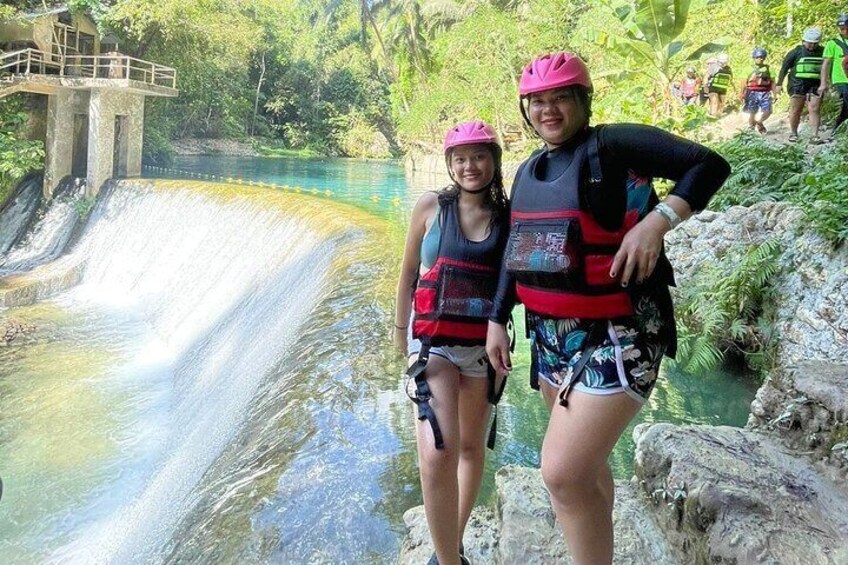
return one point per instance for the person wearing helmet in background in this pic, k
(444, 298)
(585, 257)
(803, 65)
(718, 81)
(835, 68)
(690, 87)
(757, 91)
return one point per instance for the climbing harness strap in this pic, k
(417, 373)
(593, 339)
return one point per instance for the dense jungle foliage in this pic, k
(379, 78)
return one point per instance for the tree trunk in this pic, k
(258, 90)
(389, 63)
(790, 12)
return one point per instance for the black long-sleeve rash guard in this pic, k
(649, 151)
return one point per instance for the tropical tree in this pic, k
(18, 155)
(653, 46)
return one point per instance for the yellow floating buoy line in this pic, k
(396, 201)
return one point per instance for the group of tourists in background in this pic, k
(579, 243)
(812, 69)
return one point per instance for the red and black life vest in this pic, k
(760, 79)
(453, 299)
(558, 253)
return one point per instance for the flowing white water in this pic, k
(18, 212)
(48, 237)
(216, 289)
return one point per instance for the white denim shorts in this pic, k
(470, 360)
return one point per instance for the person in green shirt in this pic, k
(833, 71)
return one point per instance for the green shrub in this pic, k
(18, 156)
(725, 311)
(764, 171)
(84, 205)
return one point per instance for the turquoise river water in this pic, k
(219, 388)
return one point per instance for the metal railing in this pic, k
(111, 66)
(29, 61)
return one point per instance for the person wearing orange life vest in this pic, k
(757, 91)
(447, 283)
(585, 257)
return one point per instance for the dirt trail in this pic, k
(777, 130)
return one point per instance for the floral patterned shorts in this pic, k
(626, 360)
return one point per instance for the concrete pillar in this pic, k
(105, 104)
(101, 139)
(59, 141)
(136, 134)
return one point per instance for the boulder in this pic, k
(524, 530)
(481, 537)
(727, 495)
(805, 407)
(810, 290)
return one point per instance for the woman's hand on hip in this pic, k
(639, 250)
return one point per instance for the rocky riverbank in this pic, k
(775, 492)
(197, 146)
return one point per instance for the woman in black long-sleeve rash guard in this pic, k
(585, 257)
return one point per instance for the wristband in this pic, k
(397, 327)
(669, 214)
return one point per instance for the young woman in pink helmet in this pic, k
(444, 299)
(585, 257)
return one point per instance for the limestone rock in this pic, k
(199, 146)
(726, 495)
(481, 537)
(812, 313)
(12, 328)
(524, 531)
(529, 533)
(806, 408)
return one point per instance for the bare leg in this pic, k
(473, 417)
(575, 450)
(438, 467)
(712, 98)
(813, 105)
(796, 105)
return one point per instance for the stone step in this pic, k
(523, 529)
(40, 283)
(728, 495)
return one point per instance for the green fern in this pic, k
(725, 309)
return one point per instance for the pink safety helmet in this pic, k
(468, 133)
(554, 70)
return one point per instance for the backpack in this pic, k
(844, 47)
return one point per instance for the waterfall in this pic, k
(224, 282)
(48, 233)
(18, 212)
